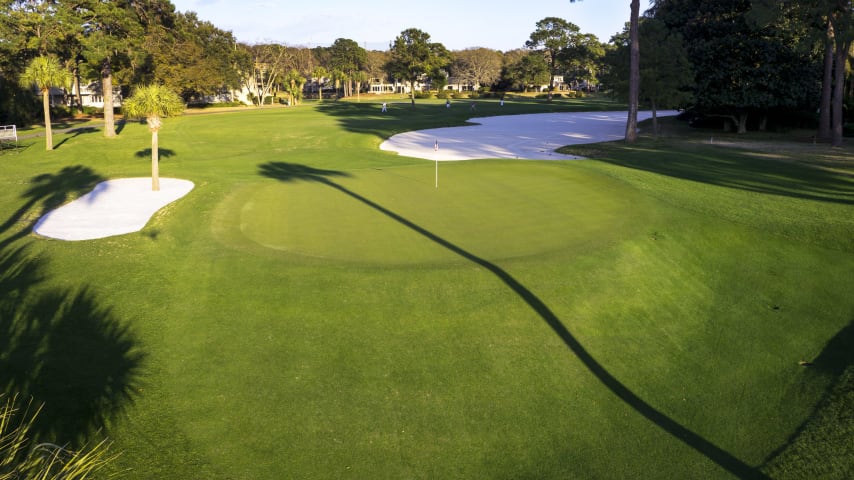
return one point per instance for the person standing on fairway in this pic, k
(385, 109)
(448, 103)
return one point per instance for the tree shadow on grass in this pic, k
(835, 360)
(732, 168)
(60, 346)
(288, 172)
(76, 132)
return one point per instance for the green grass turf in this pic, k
(315, 308)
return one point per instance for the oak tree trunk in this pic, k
(824, 131)
(838, 92)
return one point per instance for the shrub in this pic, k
(19, 458)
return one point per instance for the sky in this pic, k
(497, 24)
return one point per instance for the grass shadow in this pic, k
(288, 172)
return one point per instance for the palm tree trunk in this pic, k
(107, 87)
(634, 74)
(155, 168)
(48, 133)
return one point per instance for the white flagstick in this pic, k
(436, 149)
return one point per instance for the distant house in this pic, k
(460, 85)
(379, 86)
(91, 95)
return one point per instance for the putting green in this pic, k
(493, 209)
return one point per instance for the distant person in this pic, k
(385, 107)
(501, 102)
(448, 103)
(473, 107)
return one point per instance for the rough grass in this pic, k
(316, 308)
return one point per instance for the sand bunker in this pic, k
(530, 136)
(114, 207)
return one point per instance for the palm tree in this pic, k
(153, 102)
(45, 73)
(318, 73)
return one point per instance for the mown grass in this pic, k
(317, 308)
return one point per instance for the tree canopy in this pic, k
(414, 55)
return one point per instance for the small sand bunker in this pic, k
(114, 207)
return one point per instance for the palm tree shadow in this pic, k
(161, 153)
(46, 192)
(287, 172)
(60, 346)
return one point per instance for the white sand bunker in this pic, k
(529, 136)
(114, 207)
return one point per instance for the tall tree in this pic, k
(111, 29)
(634, 72)
(269, 63)
(318, 74)
(744, 64)
(153, 102)
(552, 36)
(477, 66)
(523, 68)
(842, 22)
(584, 57)
(294, 82)
(666, 75)
(413, 55)
(347, 56)
(45, 73)
(195, 58)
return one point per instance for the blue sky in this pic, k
(498, 24)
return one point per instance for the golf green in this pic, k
(363, 216)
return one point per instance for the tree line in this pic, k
(740, 61)
(129, 42)
(745, 62)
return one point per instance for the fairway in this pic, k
(317, 308)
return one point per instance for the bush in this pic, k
(444, 94)
(461, 94)
(424, 95)
(21, 458)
